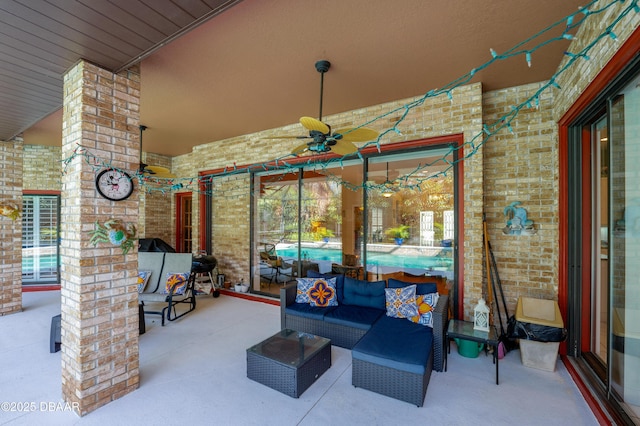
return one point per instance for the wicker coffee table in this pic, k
(289, 361)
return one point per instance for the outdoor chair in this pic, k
(272, 266)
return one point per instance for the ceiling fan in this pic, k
(321, 138)
(152, 171)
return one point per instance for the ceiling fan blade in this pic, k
(343, 147)
(300, 149)
(313, 124)
(361, 134)
(158, 172)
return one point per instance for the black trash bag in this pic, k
(154, 245)
(530, 331)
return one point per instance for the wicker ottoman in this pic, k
(289, 361)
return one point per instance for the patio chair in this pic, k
(272, 266)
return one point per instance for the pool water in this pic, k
(373, 258)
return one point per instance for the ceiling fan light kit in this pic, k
(320, 138)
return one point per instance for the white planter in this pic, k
(241, 288)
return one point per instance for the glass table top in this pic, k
(290, 347)
(464, 329)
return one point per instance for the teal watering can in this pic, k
(469, 349)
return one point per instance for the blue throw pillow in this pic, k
(421, 288)
(302, 289)
(426, 303)
(364, 293)
(401, 302)
(177, 281)
(323, 293)
(339, 281)
(143, 279)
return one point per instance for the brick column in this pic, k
(99, 297)
(11, 230)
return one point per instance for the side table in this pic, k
(464, 330)
(289, 361)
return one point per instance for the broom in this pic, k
(492, 272)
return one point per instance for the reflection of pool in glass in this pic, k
(374, 259)
(45, 263)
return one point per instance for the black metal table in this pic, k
(289, 361)
(464, 330)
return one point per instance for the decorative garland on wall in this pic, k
(414, 179)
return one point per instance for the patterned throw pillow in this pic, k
(302, 289)
(323, 293)
(179, 280)
(426, 303)
(143, 279)
(401, 302)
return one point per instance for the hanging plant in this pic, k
(10, 211)
(115, 232)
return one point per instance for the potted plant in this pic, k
(324, 234)
(398, 233)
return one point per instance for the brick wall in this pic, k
(573, 82)
(42, 166)
(11, 230)
(523, 166)
(98, 296)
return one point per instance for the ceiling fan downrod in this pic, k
(142, 128)
(322, 67)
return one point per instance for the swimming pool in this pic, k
(374, 259)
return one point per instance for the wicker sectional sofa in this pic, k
(390, 356)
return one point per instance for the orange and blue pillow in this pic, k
(302, 289)
(316, 291)
(143, 279)
(401, 302)
(426, 303)
(176, 280)
(323, 293)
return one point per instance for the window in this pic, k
(40, 243)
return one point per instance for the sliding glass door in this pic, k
(605, 291)
(389, 215)
(624, 244)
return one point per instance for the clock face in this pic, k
(114, 184)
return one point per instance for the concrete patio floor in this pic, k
(193, 371)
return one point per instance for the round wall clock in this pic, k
(114, 185)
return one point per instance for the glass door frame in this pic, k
(576, 233)
(56, 194)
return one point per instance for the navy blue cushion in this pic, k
(364, 293)
(339, 281)
(354, 316)
(308, 311)
(421, 288)
(396, 343)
